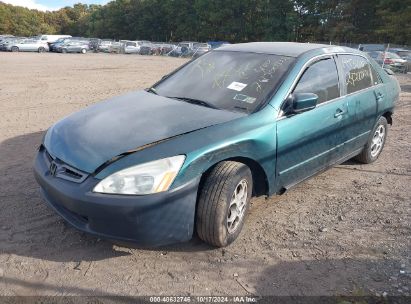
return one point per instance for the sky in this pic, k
(50, 5)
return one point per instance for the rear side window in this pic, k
(376, 79)
(357, 73)
(320, 78)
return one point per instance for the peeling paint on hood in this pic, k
(89, 138)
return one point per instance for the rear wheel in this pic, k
(41, 49)
(375, 143)
(83, 51)
(14, 49)
(64, 51)
(223, 203)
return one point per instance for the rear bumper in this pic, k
(149, 220)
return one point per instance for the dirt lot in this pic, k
(345, 232)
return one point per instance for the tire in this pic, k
(83, 51)
(215, 199)
(375, 144)
(64, 51)
(41, 50)
(14, 49)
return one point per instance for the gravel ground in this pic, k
(344, 232)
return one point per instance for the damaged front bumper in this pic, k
(148, 220)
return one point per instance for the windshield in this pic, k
(233, 81)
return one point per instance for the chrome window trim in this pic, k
(316, 58)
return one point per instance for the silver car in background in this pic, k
(74, 47)
(389, 60)
(132, 47)
(104, 46)
(7, 44)
(30, 45)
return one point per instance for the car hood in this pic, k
(95, 135)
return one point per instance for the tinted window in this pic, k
(234, 81)
(357, 73)
(320, 78)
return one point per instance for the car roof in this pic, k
(291, 49)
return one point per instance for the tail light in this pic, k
(388, 61)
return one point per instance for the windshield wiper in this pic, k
(152, 90)
(195, 101)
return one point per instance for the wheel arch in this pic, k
(388, 117)
(260, 180)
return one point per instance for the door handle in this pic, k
(379, 96)
(339, 112)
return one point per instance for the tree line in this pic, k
(337, 21)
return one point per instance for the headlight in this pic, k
(153, 177)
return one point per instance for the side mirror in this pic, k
(302, 102)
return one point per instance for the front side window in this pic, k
(320, 78)
(234, 81)
(357, 73)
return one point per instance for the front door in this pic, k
(312, 140)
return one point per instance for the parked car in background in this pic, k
(200, 49)
(190, 49)
(7, 44)
(115, 47)
(186, 155)
(216, 44)
(7, 40)
(147, 48)
(371, 47)
(55, 45)
(183, 49)
(4, 38)
(94, 43)
(104, 46)
(30, 45)
(74, 47)
(389, 60)
(164, 48)
(404, 54)
(50, 38)
(132, 47)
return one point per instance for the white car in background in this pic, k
(51, 38)
(30, 45)
(132, 47)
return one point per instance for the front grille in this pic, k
(59, 169)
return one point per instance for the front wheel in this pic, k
(83, 51)
(375, 143)
(41, 50)
(14, 49)
(223, 203)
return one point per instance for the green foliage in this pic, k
(354, 21)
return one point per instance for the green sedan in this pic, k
(186, 155)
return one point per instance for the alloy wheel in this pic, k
(237, 207)
(377, 140)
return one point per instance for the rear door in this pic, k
(310, 141)
(364, 90)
